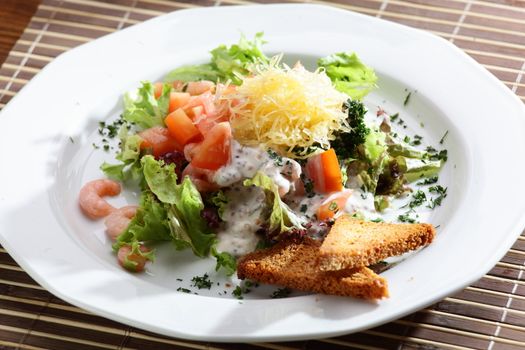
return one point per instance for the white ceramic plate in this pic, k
(43, 170)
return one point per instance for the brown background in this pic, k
(489, 314)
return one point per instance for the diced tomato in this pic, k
(197, 112)
(178, 100)
(214, 151)
(157, 89)
(178, 85)
(159, 140)
(333, 204)
(181, 127)
(206, 100)
(199, 87)
(325, 172)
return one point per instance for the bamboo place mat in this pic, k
(490, 314)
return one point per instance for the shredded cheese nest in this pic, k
(287, 109)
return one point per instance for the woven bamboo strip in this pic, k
(416, 340)
(22, 68)
(57, 337)
(7, 92)
(459, 332)
(496, 5)
(44, 45)
(473, 319)
(346, 343)
(513, 83)
(174, 4)
(273, 346)
(19, 346)
(493, 54)
(86, 14)
(2, 250)
(2, 105)
(58, 35)
(14, 80)
(449, 10)
(20, 284)
(486, 306)
(494, 292)
(61, 321)
(11, 267)
(31, 55)
(520, 252)
(74, 24)
(105, 5)
(142, 336)
(46, 304)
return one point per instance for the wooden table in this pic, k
(489, 314)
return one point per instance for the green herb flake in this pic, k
(443, 137)
(418, 198)
(406, 218)
(428, 181)
(333, 207)
(237, 292)
(407, 99)
(281, 293)
(393, 117)
(201, 282)
(183, 290)
(441, 194)
(303, 208)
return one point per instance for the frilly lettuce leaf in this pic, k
(282, 218)
(227, 63)
(129, 155)
(144, 109)
(349, 74)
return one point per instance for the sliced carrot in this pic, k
(178, 100)
(214, 151)
(333, 204)
(181, 127)
(159, 140)
(325, 172)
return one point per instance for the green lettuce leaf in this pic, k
(225, 261)
(129, 156)
(282, 218)
(144, 109)
(161, 179)
(349, 74)
(149, 224)
(227, 63)
(193, 73)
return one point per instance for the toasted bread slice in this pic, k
(293, 264)
(353, 243)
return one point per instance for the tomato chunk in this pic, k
(333, 204)
(325, 172)
(159, 140)
(178, 100)
(181, 127)
(199, 87)
(214, 151)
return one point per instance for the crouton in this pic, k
(353, 243)
(294, 264)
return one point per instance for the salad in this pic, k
(233, 155)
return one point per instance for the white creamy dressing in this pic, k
(246, 161)
(243, 216)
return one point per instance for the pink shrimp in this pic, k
(118, 220)
(133, 262)
(91, 201)
(201, 178)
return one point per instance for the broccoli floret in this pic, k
(345, 143)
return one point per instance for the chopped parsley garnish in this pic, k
(303, 208)
(417, 140)
(435, 155)
(443, 137)
(237, 292)
(184, 290)
(281, 293)
(308, 186)
(277, 159)
(428, 181)
(418, 198)
(441, 194)
(393, 117)
(407, 99)
(406, 218)
(201, 282)
(345, 143)
(406, 139)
